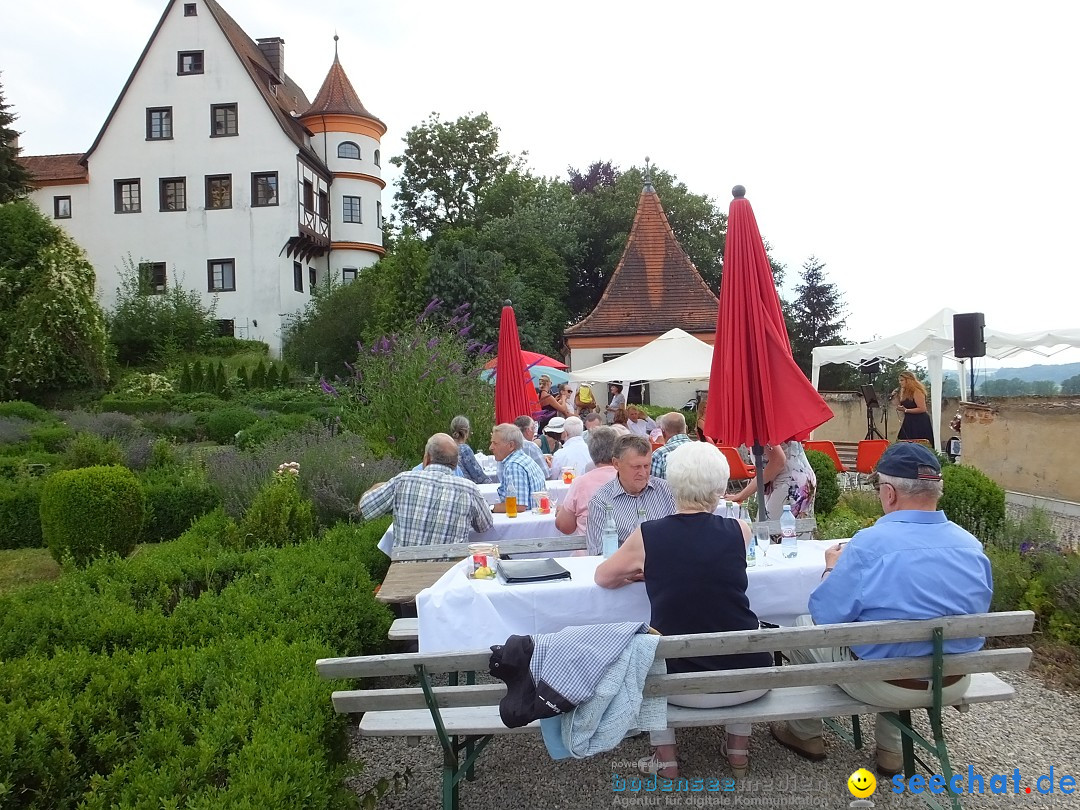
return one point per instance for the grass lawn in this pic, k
(25, 566)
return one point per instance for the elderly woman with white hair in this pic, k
(694, 567)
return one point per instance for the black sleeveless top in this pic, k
(695, 575)
(916, 425)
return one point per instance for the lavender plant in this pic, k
(403, 388)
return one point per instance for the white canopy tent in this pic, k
(674, 356)
(933, 340)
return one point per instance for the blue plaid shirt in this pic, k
(659, 456)
(521, 471)
(430, 506)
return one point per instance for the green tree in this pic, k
(325, 334)
(14, 179)
(445, 168)
(462, 272)
(400, 283)
(817, 319)
(52, 331)
(1071, 386)
(1044, 388)
(148, 326)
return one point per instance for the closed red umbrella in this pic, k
(758, 395)
(531, 359)
(514, 393)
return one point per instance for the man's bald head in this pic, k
(441, 449)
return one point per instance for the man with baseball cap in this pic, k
(913, 563)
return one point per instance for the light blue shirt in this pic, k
(521, 472)
(909, 565)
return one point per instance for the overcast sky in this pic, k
(926, 152)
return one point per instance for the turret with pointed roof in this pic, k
(655, 287)
(338, 97)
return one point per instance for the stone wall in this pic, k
(849, 419)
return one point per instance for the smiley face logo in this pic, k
(862, 784)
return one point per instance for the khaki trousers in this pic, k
(876, 693)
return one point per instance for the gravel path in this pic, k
(1037, 730)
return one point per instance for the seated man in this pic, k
(573, 513)
(673, 426)
(527, 426)
(574, 452)
(632, 497)
(432, 505)
(516, 470)
(590, 421)
(914, 563)
(638, 422)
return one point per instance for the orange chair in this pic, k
(870, 452)
(740, 470)
(829, 449)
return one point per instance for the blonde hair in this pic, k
(909, 384)
(543, 382)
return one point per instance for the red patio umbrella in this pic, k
(514, 393)
(758, 395)
(531, 359)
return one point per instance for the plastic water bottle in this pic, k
(751, 552)
(789, 544)
(610, 536)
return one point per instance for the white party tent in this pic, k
(933, 340)
(675, 355)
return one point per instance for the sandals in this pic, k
(648, 766)
(738, 759)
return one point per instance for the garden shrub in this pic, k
(223, 424)
(51, 438)
(363, 539)
(91, 511)
(28, 464)
(828, 491)
(279, 515)
(183, 427)
(406, 387)
(198, 403)
(973, 500)
(14, 430)
(24, 410)
(274, 427)
(88, 450)
(131, 404)
(175, 498)
(107, 425)
(20, 518)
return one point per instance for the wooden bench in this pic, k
(465, 717)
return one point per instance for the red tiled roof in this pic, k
(55, 168)
(337, 96)
(655, 286)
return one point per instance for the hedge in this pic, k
(20, 518)
(173, 501)
(828, 491)
(184, 676)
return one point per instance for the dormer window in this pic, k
(349, 150)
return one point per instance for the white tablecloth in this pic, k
(557, 490)
(526, 526)
(458, 613)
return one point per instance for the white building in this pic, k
(215, 171)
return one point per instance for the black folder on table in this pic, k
(514, 572)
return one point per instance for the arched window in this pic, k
(348, 149)
(377, 158)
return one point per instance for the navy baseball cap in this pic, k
(904, 459)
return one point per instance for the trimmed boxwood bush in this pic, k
(828, 492)
(89, 450)
(20, 518)
(973, 500)
(91, 511)
(363, 539)
(223, 424)
(126, 403)
(24, 410)
(52, 438)
(173, 500)
(279, 515)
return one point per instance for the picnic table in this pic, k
(526, 526)
(556, 489)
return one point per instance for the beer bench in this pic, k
(465, 716)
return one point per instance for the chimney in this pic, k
(273, 48)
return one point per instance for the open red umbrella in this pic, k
(758, 395)
(514, 393)
(531, 359)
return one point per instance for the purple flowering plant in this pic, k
(407, 386)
